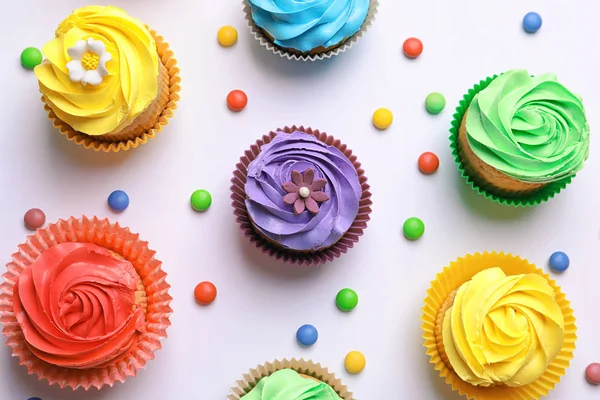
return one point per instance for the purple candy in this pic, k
(273, 167)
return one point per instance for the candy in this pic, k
(355, 362)
(412, 47)
(118, 200)
(413, 228)
(346, 299)
(559, 261)
(307, 335)
(382, 118)
(205, 292)
(201, 200)
(237, 100)
(435, 103)
(34, 218)
(227, 36)
(592, 373)
(31, 57)
(34, 398)
(532, 22)
(428, 162)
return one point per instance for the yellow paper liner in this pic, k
(168, 60)
(303, 367)
(461, 271)
(120, 241)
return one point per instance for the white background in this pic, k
(262, 302)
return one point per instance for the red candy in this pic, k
(428, 163)
(412, 47)
(34, 218)
(237, 100)
(592, 373)
(205, 292)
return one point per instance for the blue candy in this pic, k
(307, 335)
(559, 261)
(532, 22)
(118, 200)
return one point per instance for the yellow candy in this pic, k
(382, 118)
(355, 362)
(227, 36)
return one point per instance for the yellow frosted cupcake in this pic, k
(108, 81)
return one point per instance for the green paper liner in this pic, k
(547, 192)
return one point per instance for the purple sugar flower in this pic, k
(304, 192)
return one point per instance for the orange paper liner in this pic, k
(167, 58)
(461, 271)
(308, 368)
(112, 237)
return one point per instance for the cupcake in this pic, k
(520, 139)
(292, 380)
(84, 303)
(309, 30)
(108, 82)
(301, 196)
(496, 327)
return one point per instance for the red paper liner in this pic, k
(238, 197)
(112, 237)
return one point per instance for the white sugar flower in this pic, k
(88, 64)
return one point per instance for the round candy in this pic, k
(227, 36)
(435, 103)
(346, 299)
(31, 57)
(118, 200)
(592, 373)
(34, 218)
(412, 47)
(355, 362)
(34, 398)
(201, 200)
(307, 335)
(559, 261)
(413, 228)
(205, 292)
(532, 22)
(382, 118)
(237, 100)
(428, 162)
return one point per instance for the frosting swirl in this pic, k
(287, 384)
(305, 25)
(503, 329)
(76, 306)
(274, 167)
(128, 79)
(531, 128)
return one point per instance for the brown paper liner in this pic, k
(153, 290)
(303, 367)
(320, 53)
(148, 124)
(238, 197)
(450, 279)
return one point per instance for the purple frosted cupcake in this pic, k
(301, 195)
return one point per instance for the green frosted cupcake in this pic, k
(519, 139)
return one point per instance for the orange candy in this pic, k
(412, 47)
(205, 292)
(428, 163)
(237, 100)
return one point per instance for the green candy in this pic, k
(413, 228)
(346, 299)
(201, 200)
(435, 102)
(31, 57)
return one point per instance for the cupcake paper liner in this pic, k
(461, 271)
(347, 44)
(308, 368)
(238, 197)
(540, 196)
(114, 238)
(168, 60)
